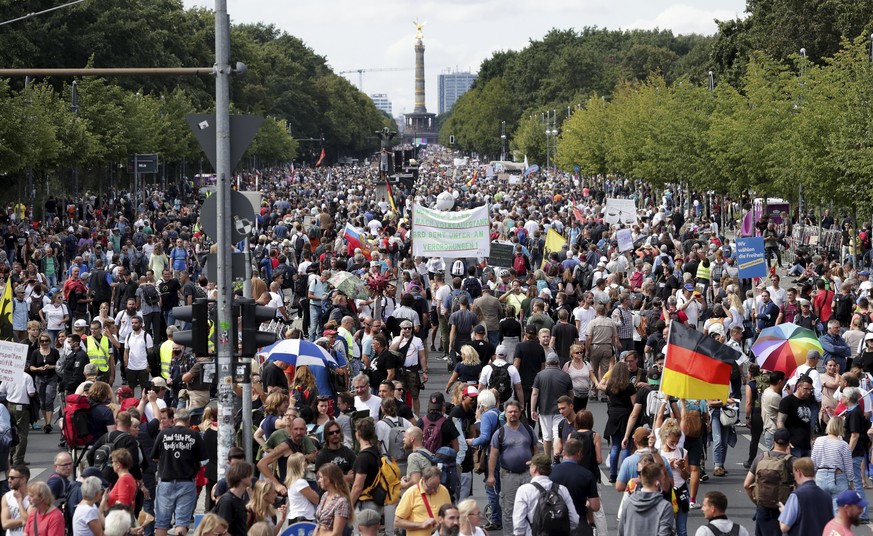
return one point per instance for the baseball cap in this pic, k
(436, 401)
(781, 436)
(851, 497)
(159, 382)
(123, 392)
(479, 328)
(96, 473)
(689, 287)
(530, 328)
(640, 434)
(804, 302)
(80, 323)
(471, 391)
(329, 332)
(654, 376)
(500, 350)
(864, 273)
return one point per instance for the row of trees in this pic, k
(286, 82)
(788, 126)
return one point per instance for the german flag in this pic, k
(696, 367)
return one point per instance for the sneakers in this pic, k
(746, 465)
(491, 527)
(47, 429)
(612, 479)
(693, 506)
(704, 477)
(719, 471)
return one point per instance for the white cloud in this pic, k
(684, 19)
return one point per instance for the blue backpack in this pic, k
(444, 458)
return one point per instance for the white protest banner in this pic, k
(462, 233)
(620, 211)
(625, 240)
(13, 357)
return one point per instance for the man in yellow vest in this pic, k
(99, 353)
(166, 353)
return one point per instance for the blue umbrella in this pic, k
(297, 352)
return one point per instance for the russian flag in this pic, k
(354, 237)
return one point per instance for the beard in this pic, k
(454, 531)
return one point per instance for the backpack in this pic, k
(653, 402)
(865, 320)
(386, 488)
(433, 433)
(843, 308)
(693, 423)
(150, 294)
(200, 292)
(445, 458)
(138, 263)
(520, 264)
(501, 381)
(458, 268)
(456, 301)
(583, 275)
(772, 481)
(473, 286)
(301, 285)
(74, 497)
(551, 514)
(536, 248)
(102, 455)
(394, 448)
(299, 243)
(735, 530)
(77, 416)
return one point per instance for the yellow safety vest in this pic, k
(211, 344)
(166, 358)
(99, 354)
(702, 272)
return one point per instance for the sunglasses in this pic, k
(335, 432)
(45, 340)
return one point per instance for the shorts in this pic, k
(175, 500)
(47, 391)
(410, 381)
(549, 425)
(138, 378)
(695, 451)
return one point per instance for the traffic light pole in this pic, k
(223, 273)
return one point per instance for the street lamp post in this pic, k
(502, 141)
(74, 107)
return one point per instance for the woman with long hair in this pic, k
(510, 330)
(158, 260)
(261, 507)
(55, 315)
(467, 369)
(322, 416)
(101, 416)
(334, 510)
(274, 409)
(620, 404)
(581, 374)
(42, 365)
(302, 499)
(304, 390)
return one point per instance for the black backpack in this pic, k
(583, 275)
(551, 514)
(102, 454)
(473, 286)
(735, 530)
(150, 294)
(501, 381)
(843, 308)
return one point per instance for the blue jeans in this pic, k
(175, 500)
(494, 337)
(801, 453)
(616, 454)
(314, 321)
(681, 523)
(859, 483)
(148, 505)
(832, 482)
(719, 439)
(493, 495)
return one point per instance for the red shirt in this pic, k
(124, 491)
(50, 523)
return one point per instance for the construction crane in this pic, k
(376, 70)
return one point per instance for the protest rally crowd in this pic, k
(573, 319)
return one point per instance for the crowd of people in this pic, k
(529, 346)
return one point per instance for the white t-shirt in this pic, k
(84, 514)
(138, 345)
(14, 512)
(485, 375)
(54, 316)
(778, 295)
(298, 505)
(583, 317)
(149, 413)
(374, 404)
(412, 352)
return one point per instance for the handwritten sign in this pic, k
(625, 240)
(13, 356)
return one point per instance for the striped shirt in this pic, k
(830, 453)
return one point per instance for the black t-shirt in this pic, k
(233, 510)
(798, 420)
(343, 457)
(579, 481)
(533, 357)
(855, 425)
(273, 376)
(467, 418)
(381, 364)
(485, 350)
(367, 463)
(169, 293)
(565, 335)
(188, 289)
(179, 452)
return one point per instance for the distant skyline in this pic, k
(459, 34)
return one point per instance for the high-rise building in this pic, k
(452, 86)
(381, 101)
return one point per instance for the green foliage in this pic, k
(476, 117)
(530, 140)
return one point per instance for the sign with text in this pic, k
(13, 357)
(620, 211)
(501, 255)
(625, 240)
(462, 233)
(750, 257)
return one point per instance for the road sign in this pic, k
(242, 215)
(243, 129)
(144, 163)
(750, 257)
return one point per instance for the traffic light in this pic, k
(253, 316)
(197, 338)
(452, 139)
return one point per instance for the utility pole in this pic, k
(222, 72)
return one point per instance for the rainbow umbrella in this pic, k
(784, 347)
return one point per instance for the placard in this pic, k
(750, 257)
(457, 234)
(625, 240)
(501, 255)
(13, 357)
(620, 211)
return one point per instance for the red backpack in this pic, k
(520, 264)
(77, 432)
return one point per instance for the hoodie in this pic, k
(644, 510)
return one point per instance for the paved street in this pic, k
(42, 448)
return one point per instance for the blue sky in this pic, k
(459, 34)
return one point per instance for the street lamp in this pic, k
(74, 107)
(503, 141)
